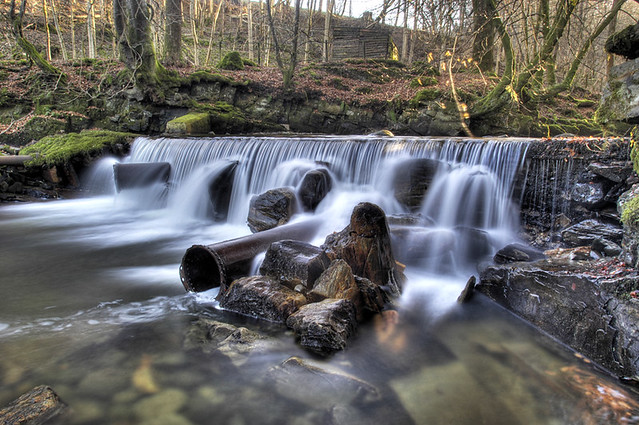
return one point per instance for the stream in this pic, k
(92, 304)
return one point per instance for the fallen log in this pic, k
(33, 408)
(140, 174)
(205, 267)
(14, 159)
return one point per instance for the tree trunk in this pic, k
(413, 40)
(132, 26)
(249, 11)
(90, 30)
(45, 13)
(404, 54)
(72, 13)
(309, 31)
(327, 30)
(484, 12)
(612, 28)
(196, 42)
(173, 32)
(213, 27)
(287, 71)
(28, 48)
(58, 30)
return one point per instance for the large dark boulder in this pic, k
(412, 179)
(324, 327)
(517, 252)
(220, 189)
(261, 296)
(294, 263)
(365, 245)
(625, 43)
(587, 231)
(314, 187)
(580, 303)
(271, 209)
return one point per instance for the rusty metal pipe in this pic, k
(209, 266)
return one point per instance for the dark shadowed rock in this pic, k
(271, 209)
(261, 296)
(220, 189)
(365, 245)
(615, 171)
(35, 407)
(576, 303)
(294, 263)
(314, 187)
(606, 248)
(468, 291)
(297, 380)
(591, 195)
(325, 326)
(625, 43)
(412, 179)
(516, 252)
(373, 298)
(585, 232)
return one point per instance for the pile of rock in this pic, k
(322, 292)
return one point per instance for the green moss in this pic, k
(425, 95)
(208, 77)
(630, 213)
(634, 151)
(232, 61)
(248, 62)
(191, 123)
(58, 149)
(423, 68)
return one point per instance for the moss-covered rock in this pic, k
(232, 61)
(62, 148)
(191, 123)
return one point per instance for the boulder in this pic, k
(271, 209)
(516, 252)
(314, 187)
(220, 189)
(294, 263)
(337, 281)
(261, 296)
(579, 303)
(591, 195)
(625, 43)
(191, 123)
(324, 327)
(585, 233)
(606, 248)
(365, 245)
(616, 171)
(620, 97)
(412, 179)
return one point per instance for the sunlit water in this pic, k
(92, 305)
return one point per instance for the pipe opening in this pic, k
(201, 269)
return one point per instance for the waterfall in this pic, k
(467, 205)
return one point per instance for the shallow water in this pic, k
(92, 301)
(92, 305)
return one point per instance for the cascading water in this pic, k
(468, 211)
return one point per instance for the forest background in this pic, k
(537, 57)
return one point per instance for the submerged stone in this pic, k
(324, 327)
(298, 380)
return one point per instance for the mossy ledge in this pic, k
(62, 148)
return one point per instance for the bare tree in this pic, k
(173, 32)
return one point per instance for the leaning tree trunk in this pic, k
(131, 19)
(484, 26)
(28, 48)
